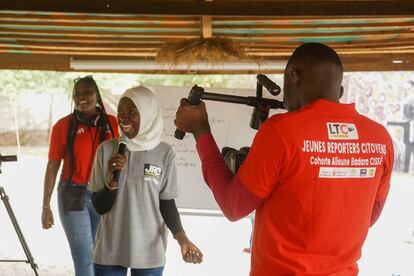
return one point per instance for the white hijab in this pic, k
(151, 123)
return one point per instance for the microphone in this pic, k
(121, 150)
(272, 87)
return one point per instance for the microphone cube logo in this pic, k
(152, 173)
(342, 131)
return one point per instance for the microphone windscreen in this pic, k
(272, 87)
(122, 141)
(122, 151)
(122, 148)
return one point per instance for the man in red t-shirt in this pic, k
(317, 176)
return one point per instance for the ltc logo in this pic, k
(152, 171)
(342, 131)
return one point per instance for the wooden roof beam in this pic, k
(206, 30)
(219, 7)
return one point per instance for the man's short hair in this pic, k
(309, 53)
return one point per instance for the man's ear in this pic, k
(294, 74)
(341, 92)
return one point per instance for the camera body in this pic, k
(7, 158)
(234, 158)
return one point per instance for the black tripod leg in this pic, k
(19, 233)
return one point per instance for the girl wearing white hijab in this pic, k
(137, 209)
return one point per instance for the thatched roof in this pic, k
(46, 34)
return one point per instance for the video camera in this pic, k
(261, 107)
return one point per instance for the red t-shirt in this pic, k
(86, 143)
(320, 169)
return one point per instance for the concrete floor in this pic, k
(387, 250)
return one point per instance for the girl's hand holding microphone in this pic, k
(115, 164)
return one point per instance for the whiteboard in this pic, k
(230, 127)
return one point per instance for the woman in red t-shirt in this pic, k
(74, 139)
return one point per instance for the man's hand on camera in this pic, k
(192, 118)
